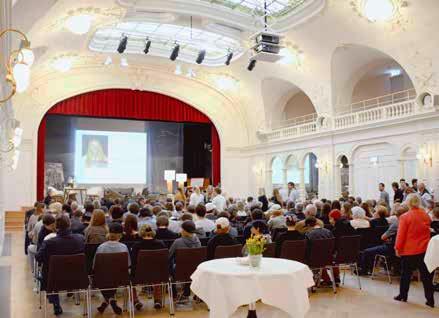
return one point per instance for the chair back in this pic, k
(276, 232)
(227, 251)
(348, 248)
(294, 250)
(168, 243)
(204, 240)
(321, 253)
(90, 252)
(111, 270)
(67, 273)
(369, 237)
(187, 261)
(270, 250)
(152, 267)
(240, 239)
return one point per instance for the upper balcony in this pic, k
(379, 110)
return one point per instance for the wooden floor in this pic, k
(374, 300)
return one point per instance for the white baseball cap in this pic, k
(222, 222)
(210, 206)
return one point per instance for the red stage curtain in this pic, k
(127, 104)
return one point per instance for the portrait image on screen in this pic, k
(95, 151)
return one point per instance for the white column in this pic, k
(302, 189)
(351, 179)
(337, 178)
(268, 181)
(284, 177)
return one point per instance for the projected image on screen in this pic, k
(110, 157)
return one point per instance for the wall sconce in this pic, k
(425, 156)
(374, 161)
(14, 143)
(322, 165)
(258, 169)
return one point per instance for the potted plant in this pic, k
(255, 247)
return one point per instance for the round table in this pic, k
(432, 255)
(225, 284)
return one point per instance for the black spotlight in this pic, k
(201, 56)
(175, 52)
(122, 44)
(251, 65)
(229, 58)
(147, 46)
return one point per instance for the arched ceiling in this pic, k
(410, 42)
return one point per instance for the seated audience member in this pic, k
(387, 248)
(256, 215)
(232, 230)
(359, 220)
(424, 193)
(299, 212)
(148, 242)
(112, 246)
(277, 221)
(324, 216)
(116, 213)
(130, 228)
(398, 193)
(196, 197)
(86, 219)
(219, 201)
(206, 225)
(380, 217)
(77, 226)
(435, 221)
(33, 228)
(133, 209)
(211, 211)
(178, 212)
(163, 233)
(346, 211)
(97, 231)
(290, 208)
(309, 211)
(335, 205)
(147, 217)
(156, 209)
(263, 199)
(340, 225)
(67, 209)
(48, 227)
(221, 237)
(368, 207)
(241, 213)
(260, 228)
(315, 230)
(319, 206)
(65, 243)
(290, 235)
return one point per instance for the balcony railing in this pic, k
(295, 121)
(385, 112)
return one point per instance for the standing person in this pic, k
(219, 200)
(293, 193)
(180, 196)
(263, 199)
(277, 198)
(196, 197)
(398, 193)
(425, 195)
(384, 196)
(411, 243)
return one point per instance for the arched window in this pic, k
(276, 174)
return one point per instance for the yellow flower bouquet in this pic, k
(255, 247)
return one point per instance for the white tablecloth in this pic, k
(432, 255)
(224, 285)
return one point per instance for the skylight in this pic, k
(275, 8)
(163, 38)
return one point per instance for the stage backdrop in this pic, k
(127, 104)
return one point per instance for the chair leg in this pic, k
(387, 270)
(45, 305)
(77, 299)
(130, 303)
(334, 287)
(344, 274)
(90, 306)
(373, 267)
(171, 300)
(358, 275)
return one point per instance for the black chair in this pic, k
(294, 250)
(111, 272)
(320, 257)
(270, 250)
(276, 232)
(186, 262)
(67, 274)
(240, 239)
(152, 269)
(168, 243)
(90, 252)
(204, 241)
(227, 251)
(348, 249)
(370, 237)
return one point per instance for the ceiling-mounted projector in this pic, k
(267, 47)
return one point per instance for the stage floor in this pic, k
(375, 300)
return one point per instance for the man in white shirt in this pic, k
(219, 201)
(293, 193)
(425, 195)
(205, 225)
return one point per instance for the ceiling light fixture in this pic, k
(379, 10)
(122, 44)
(147, 46)
(175, 52)
(62, 64)
(229, 58)
(251, 65)
(201, 56)
(79, 24)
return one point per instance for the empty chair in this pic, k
(320, 257)
(270, 250)
(67, 274)
(294, 250)
(186, 262)
(348, 249)
(152, 269)
(228, 251)
(110, 273)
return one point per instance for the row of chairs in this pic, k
(153, 267)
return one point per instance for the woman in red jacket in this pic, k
(411, 243)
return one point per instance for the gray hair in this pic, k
(310, 210)
(358, 213)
